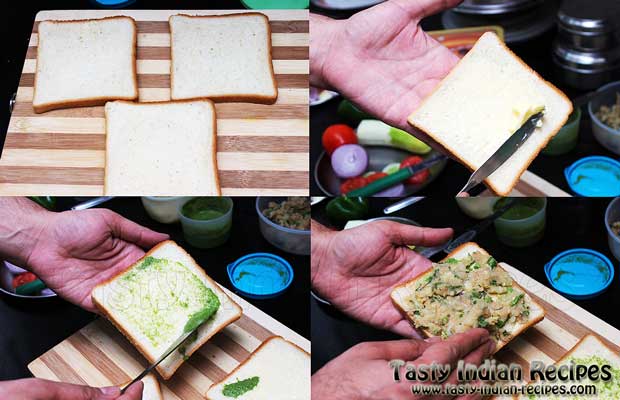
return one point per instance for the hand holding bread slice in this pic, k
(468, 289)
(482, 101)
(151, 302)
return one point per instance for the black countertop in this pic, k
(537, 54)
(27, 330)
(571, 223)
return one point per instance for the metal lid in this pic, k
(594, 176)
(260, 275)
(589, 16)
(586, 61)
(580, 273)
(495, 7)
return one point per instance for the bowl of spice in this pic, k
(285, 222)
(604, 110)
(612, 223)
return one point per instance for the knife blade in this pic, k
(503, 153)
(469, 234)
(165, 354)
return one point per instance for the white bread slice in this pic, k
(85, 63)
(589, 345)
(470, 113)
(401, 292)
(151, 390)
(161, 149)
(226, 58)
(165, 291)
(283, 371)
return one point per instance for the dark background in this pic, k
(571, 223)
(28, 329)
(537, 54)
(17, 27)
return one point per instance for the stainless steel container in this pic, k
(495, 7)
(591, 27)
(586, 69)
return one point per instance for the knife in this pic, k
(504, 152)
(395, 178)
(469, 234)
(166, 353)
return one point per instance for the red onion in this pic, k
(349, 160)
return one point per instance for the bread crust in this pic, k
(93, 101)
(228, 98)
(269, 339)
(161, 102)
(471, 167)
(166, 374)
(500, 344)
(572, 350)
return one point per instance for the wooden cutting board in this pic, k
(262, 149)
(564, 324)
(99, 355)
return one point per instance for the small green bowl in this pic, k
(566, 139)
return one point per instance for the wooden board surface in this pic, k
(98, 355)
(564, 325)
(262, 149)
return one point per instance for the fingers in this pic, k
(133, 392)
(419, 9)
(454, 348)
(34, 388)
(132, 232)
(406, 349)
(403, 234)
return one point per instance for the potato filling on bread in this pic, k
(457, 295)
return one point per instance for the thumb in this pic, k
(131, 232)
(133, 392)
(404, 234)
(66, 391)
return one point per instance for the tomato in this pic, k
(421, 176)
(23, 278)
(352, 184)
(337, 135)
(375, 176)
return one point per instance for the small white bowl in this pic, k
(613, 215)
(605, 135)
(7, 273)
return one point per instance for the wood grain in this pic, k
(100, 355)
(262, 149)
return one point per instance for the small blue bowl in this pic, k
(594, 176)
(260, 275)
(580, 273)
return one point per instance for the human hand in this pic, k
(380, 58)
(71, 251)
(363, 372)
(41, 389)
(356, 269)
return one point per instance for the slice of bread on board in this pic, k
(226, 58)
(471, 112)
(401, 292)
(137, 309)
(85, 63)
(282, 368)
(589, 345)
(152, 390)
(161, 149)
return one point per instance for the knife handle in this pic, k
(381, 184)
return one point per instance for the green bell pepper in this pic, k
(342, 209)
(45, 201)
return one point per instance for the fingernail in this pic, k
(110, 391)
